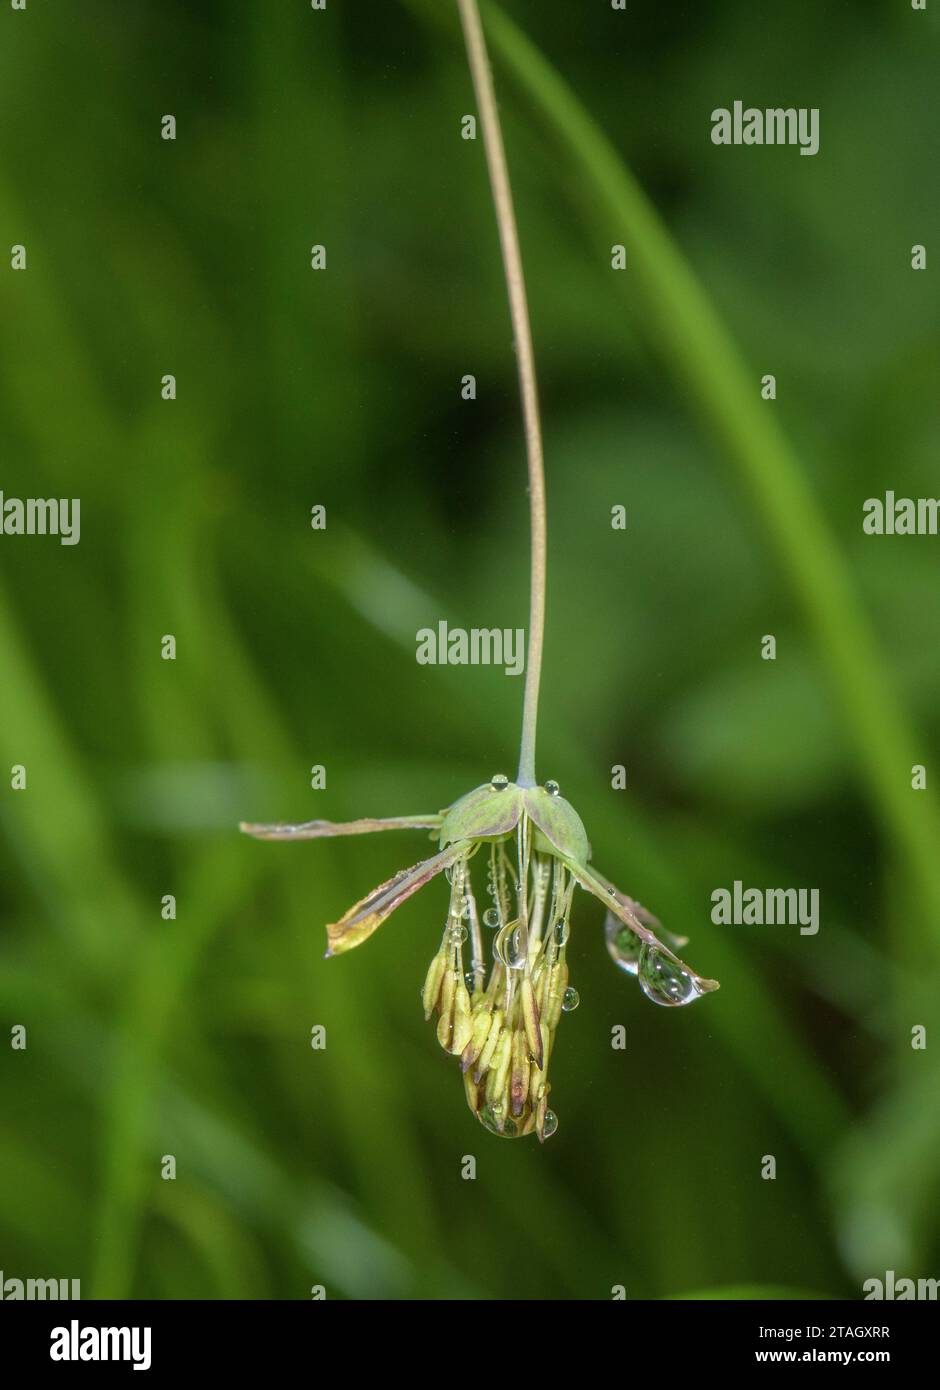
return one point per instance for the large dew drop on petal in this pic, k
(664, 979)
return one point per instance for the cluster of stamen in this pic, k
(503, 1028)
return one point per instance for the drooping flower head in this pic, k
(500, 1016)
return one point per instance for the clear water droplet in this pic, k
(499, 781)
(664, 979)
(469, 980)
(510, 946)
(491, 1118)
(552, 788)
(491, 917)
(458, 934)
(570, 999)
(623, 945)
(550, 1125)
(561, 931)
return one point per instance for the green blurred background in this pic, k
(296, 647)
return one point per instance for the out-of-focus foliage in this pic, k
(296, 647)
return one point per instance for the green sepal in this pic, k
(483, 814)
(558, 823)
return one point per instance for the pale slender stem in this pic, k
(522, 334)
